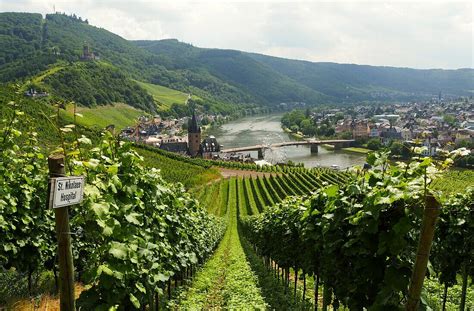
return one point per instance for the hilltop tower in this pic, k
(194, 137)
(86, 53)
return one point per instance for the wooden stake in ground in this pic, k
(430, 215)
(462, 306)
(66, 268)
(316, 291)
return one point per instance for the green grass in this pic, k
(46, 73)
(121, 115)
(235, 278)
(357, 150)
(163, 96)
(328, 146)
(274, 290)
(226, 281)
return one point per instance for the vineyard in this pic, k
(255, 194)
(233, 277)
(454, 181)
(174, 170)
(286, 246)
(360, 225)
(131, 235)
(292, 238)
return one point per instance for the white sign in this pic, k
(67, 191)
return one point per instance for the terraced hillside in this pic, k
(255, 193)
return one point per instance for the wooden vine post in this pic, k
(465, 268)
(62, 192)
(430, 216)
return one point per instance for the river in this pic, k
(266, 129)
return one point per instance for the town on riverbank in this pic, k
(433, 127)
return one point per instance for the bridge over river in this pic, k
(337, 143)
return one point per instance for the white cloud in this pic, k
(428, 34)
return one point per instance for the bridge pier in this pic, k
(314, 148)
(338, 146)
(261, 154)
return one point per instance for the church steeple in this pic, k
(193, 126)
(194, 136)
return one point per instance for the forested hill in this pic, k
(33, 49)
(339, 82)
(363, 81)
(48, 50)
(236, 68)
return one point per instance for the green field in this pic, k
(46, 73)
(163, 96)
(357, 150)
(121, 115)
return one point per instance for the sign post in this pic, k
(64, 191)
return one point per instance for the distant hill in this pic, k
(261, 82)
(285, 80)
(48, 51)
(362, 82)
(30, 45)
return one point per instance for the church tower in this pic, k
(194, 137)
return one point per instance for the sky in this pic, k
(426, 34)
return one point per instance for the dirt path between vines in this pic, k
(226, 281)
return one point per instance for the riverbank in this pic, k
(328, 146)
(293, 134)
(357, 150)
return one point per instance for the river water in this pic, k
(266, 129)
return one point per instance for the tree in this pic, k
(294, 117)
(330, 131)
(464, 144)
(374, 144)
(307, 127)
(339, 116)
(346, 135)
(359, 141)
(451, 120)
(305, 123)
(294, 128)
(406, 150)
(205, 121)
(396, 148)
